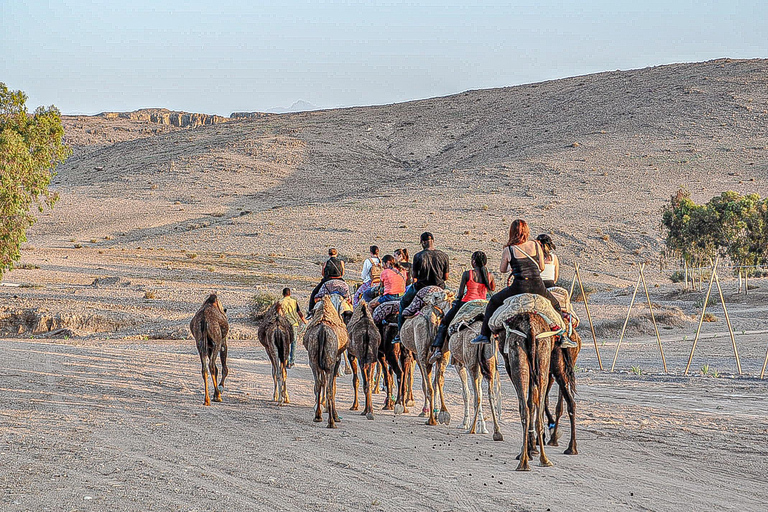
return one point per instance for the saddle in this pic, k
(341, 304)
(469, 313)
(333, 287)
(561, 294)
(384, 310)
(526, 303)
(427, 295)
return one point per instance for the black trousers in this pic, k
(518, 286)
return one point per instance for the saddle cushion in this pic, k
(427, 295)
(561, 294)
(384, 310)
(334, 286)
(525, 303)
(470, 312)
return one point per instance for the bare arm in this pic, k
(322, 269)
(539, 255)
(556, 261)
(342, 268)
(463, 285)
(491, 282)
(505, 255)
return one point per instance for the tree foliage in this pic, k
(31, 147)
(729, 225)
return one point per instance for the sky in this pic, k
(225, 56)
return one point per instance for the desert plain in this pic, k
(101, 389)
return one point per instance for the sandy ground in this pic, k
(104, 425)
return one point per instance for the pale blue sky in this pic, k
(224, 56)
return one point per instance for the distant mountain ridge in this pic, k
(298, 106)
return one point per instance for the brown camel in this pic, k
(325, 340)
(561, 371)
(400, 362)
(528, 344)
(364, 341)
(417, 335)
(480, 360)
(209, 326)
(276, 335)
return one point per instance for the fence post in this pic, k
(629, 311)
(727, 320)
(589, 316)
(762, 372)
(703, 310)
(653, 319)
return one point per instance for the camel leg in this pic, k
(368, 380)
(462, 371)
(476, 401)
(224, 367)
(493, 389)
(283, 384)
(204, 362)
(215, 375)
(376, 379)
(389, 404)
(565, 394)
(554, 422)
(551, 420)
(541, 386)
(329, 398)
(517, 367)
(336, 417)
(429, 392)
(319, 379)
(443, 416)
(355, 381)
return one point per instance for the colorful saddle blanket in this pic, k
(427, 295)
(334, 286)
(526, 303)
(384, 310)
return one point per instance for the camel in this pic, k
(528, 343)
(276, 335)
(480, 360)
(209, 326)
(325, 340)
(561, 371)
(364, 341)
(417, 335)
(395, 359)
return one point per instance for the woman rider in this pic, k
(551, 271)
(525, 259)
(333, 268)
(475, 284)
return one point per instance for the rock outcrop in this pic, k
(167, 117)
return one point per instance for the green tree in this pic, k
(31, 147)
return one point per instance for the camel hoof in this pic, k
(552, 442)
(207, 403)
(317, 420)
(354, 408)
(409, 403)
(484, 430)
(444, 417)
(571, 451)
(217, 399)
(399, 409)
(523, 467)
(387, 407)
(546, 464)
(497, 436)
(369, 416)
(331, 425)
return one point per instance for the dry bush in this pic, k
(261, 302)
(641, 323)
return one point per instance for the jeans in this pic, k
(371, 293)
(405, 301)
(291, 358)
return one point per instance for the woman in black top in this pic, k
(524, 258)
(333, 268)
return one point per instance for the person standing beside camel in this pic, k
(430, 268)
(525, 259)
(293, 314)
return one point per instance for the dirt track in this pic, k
(104, 425)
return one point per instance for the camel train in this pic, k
(525, 330)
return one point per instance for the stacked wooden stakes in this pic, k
(714, 279)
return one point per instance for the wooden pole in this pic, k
(589, 317)
(764, 365)
(653, 318)
(701, 320)
(739, 290)
(686, 275)
(629, 311)
(727, 321)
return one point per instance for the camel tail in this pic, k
(281, 344)
(570, 375)
(324, 361)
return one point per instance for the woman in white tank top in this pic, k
(551, 271)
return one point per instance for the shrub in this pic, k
(260, 302)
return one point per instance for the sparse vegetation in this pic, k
(149, 294)
(191, 255)
(709, 317)
(260, 302)
(637, 370)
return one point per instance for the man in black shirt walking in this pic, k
(430, 268)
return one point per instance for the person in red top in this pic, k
(392, 279)
(475, 284)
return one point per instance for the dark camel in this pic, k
(276, 335)
(527, 359)
(364, 341)
(561, 370)
(209, 326)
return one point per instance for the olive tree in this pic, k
(31, 147)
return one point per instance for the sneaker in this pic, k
(396, 340)
(480, 340)
(566, 342)
(436, 356)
